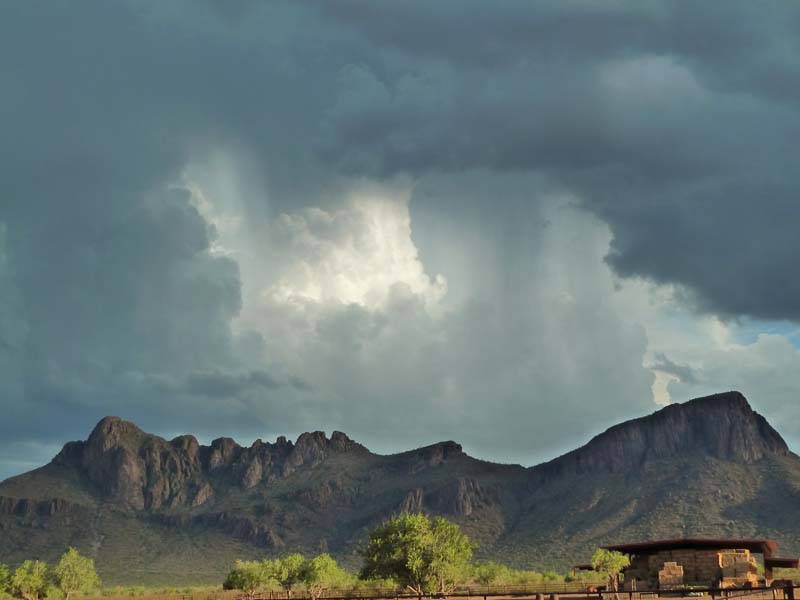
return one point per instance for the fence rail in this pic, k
(549, 591)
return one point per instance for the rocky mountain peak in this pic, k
(433, 455)
(143, 471)
(313, 447)
(722, 426)
(187, 443)
(443, 451)
(341, 443)
(113, 432)
(222, 453)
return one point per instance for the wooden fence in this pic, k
(545, 591)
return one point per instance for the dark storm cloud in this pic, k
(215, 384)
(740, 46)
(675, 124)
(110, 268)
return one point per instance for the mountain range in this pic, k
(151, 510)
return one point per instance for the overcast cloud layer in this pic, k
(508, 224)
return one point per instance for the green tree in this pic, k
(450, 554)
(248, 576)
(287, 571)
(611, 563)
(5, 579)
(30, 580)
(417, 553)
(75, 573)
(322, 573)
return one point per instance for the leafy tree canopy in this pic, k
(288, 571)
(417, 552)
(30, 580)
(248, 576)
(5, 579)
(451, 553)
(611, 563)
(321, 573)
(75, 573)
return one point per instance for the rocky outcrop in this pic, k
(242, 527)
(722, 426)
(25, 507)
(463, 497)
(261, 462)
(222, 453)
(413, 502)
(203, 494)
(434, 455)
(140, 471)
(71, 455)
(322, 496)
(41, 515)
(312, 448)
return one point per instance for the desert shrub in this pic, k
(373, 584)
(135, 590)
(552, 577)
(491, 573)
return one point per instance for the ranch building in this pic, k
(713, 563)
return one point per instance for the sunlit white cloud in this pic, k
(354, 254)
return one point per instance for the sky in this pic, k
(507, 224)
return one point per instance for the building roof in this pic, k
(781, 562)
(765, 547)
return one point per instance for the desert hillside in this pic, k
(155, 510)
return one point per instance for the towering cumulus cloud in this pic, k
(505, 223)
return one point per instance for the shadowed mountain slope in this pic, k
(155, 510)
